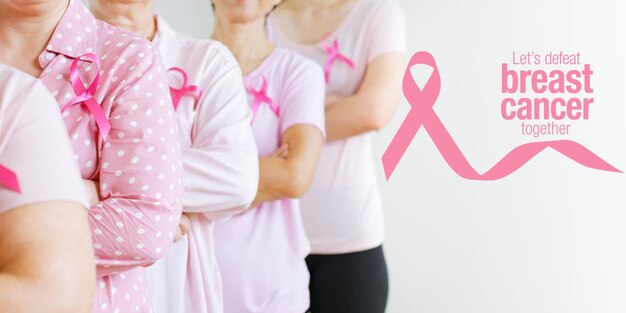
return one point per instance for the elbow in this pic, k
(156, 254)
(74, 295)
(247, 196)
(238, 202)
(376, 123)
(245, 189)
(250, 187)
(158, 243)
(298, 184)
(158, 248)
(295, 190)
(74, 304)
(76, 292)
(377, 119)
(154, 246)
(379, 112)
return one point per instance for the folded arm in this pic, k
(289, 175)
(374, 104)
(46, 264)
(221, 166)
(140, 177)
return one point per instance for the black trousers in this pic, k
(348, 283)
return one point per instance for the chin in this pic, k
(33, 7)
(244, 15)
(33, 2)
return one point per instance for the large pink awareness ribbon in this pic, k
(333, 54)
(184, 90)
(422, 113)
(260, 97)
(8, 179)
(86, 95)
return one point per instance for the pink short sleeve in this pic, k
(303, 100)
(388, 29)
(34, 144)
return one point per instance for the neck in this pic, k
(25, 32)
(134, 16)
(247, 41)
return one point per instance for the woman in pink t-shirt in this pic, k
(42, 204)
(261, 252)
(360, 44)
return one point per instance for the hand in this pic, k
(91, 188)
(183, 227)
(282, 151)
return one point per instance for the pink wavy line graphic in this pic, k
(422, 114)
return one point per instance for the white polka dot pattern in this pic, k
(137, 204)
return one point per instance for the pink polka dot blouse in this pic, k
(138, 165)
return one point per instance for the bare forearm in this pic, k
(28, 295)
(289, 171)
(33, 278)
(347, 117)
(16, 294)
(373, 105)
(274, 180)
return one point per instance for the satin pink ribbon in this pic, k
(8, 179)
(333, 54)
(86, 96)
(260, 97)
(184, 90)
(422, 113)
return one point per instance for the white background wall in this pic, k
(549, 238)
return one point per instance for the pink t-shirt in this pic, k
(221, 169)
(138, 166)
(34, 144)
(261, 252)
(342, 211)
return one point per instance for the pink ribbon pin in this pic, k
(422, 113)
(260, 97)
(184, 90)
(333, 53)
(86, 96)
(8, 179)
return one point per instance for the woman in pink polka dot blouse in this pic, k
(111, 86)
(40, 193)
(220, 158)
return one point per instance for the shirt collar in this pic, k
(165, 39)
(74, 35)
(164, 30)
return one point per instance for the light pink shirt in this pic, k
(138, 165)
(261, 252)
(342, 211)
(221, 169)
(34, 144)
